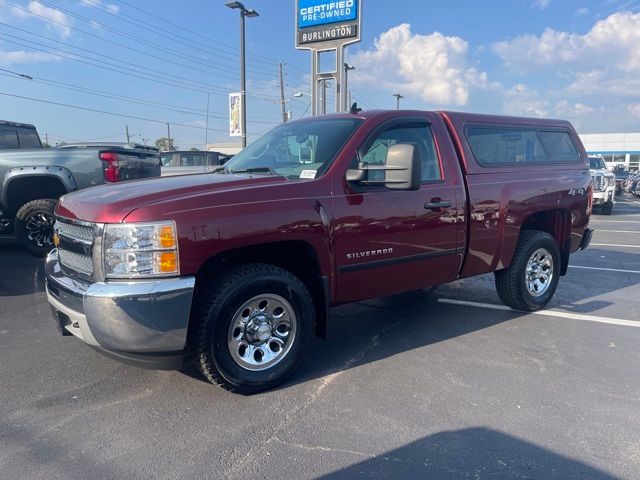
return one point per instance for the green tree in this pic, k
(164, 145)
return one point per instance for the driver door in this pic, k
(390, 241)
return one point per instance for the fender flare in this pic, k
(61, 174)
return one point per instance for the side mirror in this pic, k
(404, 167)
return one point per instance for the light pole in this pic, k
(347, 67)
(244, 12)
(398, 97)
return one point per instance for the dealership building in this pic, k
(616, 148)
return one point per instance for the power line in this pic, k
(137, 22)
(270, 60)
(163, 122)
(168, 51)
(131, 72)
(120, 32)
(184, 65)
(160, 72)
(149, 103)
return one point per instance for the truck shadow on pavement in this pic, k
(20, 273)
(470, 453)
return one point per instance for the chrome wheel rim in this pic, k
(39, 227)
(539, 272)
(262, 332)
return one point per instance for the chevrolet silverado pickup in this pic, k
(32, 180)
(237, 269)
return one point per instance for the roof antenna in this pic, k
(354, 109)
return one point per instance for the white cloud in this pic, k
(566, 109)
(613, 41)
(433, 66)
(522, 101)
(541, 4)
(98, 3)
(581, 12)
(634, 109)
(21, 56)
(55, 20)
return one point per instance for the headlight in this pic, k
(140, 250)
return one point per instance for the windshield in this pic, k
(596, 163)
(299, 150)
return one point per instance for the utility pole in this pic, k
(282, 100)
(206, 127)
(347, 67)
(398, 97)
(349, 102)
(168, 138)
(126, 127)
(46, 138)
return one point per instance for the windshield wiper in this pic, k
(268, 170)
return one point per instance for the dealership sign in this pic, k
(326, 23)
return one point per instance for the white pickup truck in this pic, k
(604, 184)
(190, 162)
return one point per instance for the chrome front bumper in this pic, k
(145, 318)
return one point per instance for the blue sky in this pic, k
(557, 58)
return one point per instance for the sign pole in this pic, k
(328, 26)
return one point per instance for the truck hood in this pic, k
(111, 203)
(602, 171)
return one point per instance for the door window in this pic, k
(193, 160)
(9, 139)
(166, 159)
(418, 134)
(29, 139)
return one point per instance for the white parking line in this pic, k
(617, 231)
(613, 245)
(546, 313)
(596, 220)
(605, 269)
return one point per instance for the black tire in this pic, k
(510, 282)
(31, 215)
(607, 209)
(215, 309)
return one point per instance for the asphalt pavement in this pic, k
(446, 385)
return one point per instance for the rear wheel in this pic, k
(252, 327)
(532, 278)
(607, 209)
(34, 226)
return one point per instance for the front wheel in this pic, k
(34, 226)
(252, 327)
(532, 278)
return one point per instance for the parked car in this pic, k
(621, 177)
(31, 181)
(18, 135)
(604, 185)
(239, 268)
(191, 161)
(633, 185)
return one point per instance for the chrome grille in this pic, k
(79, 233)
(598, 182)
(75, 261)
(75, 246)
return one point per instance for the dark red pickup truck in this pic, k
(238, 268)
